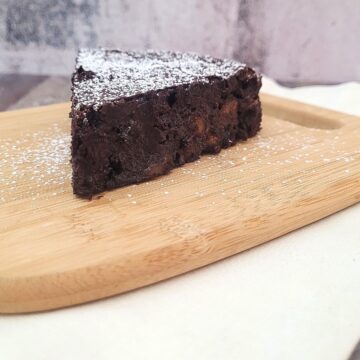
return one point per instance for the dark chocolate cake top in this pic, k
(104, 75)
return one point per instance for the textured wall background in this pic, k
(305, 41)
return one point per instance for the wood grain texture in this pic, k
(57, 250)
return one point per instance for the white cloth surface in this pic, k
(296, 297)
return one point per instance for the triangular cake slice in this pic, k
(137, 115)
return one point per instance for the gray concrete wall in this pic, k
(305, 41)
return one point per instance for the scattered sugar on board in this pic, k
(287, 151)
(36, 164)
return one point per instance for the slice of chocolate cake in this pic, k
(137, 115)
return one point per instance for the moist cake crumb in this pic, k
(137, 115)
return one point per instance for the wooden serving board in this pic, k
(57, 250)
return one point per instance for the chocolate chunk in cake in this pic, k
(137, 115)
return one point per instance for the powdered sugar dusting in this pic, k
(105, 75)
(35, 164)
